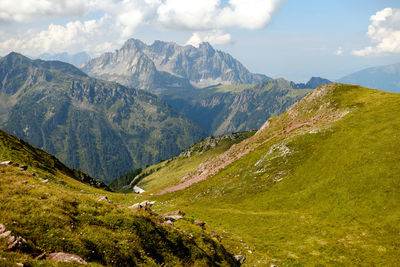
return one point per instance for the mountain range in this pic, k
(385, 78)
(102, 128)
(165, 65)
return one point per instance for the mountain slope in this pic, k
(44, 209)
(317, 185)
(385, 78)
(102, 128)
(232, 108)
(165, 65)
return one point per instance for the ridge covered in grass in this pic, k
(317, 185)
(49, 207)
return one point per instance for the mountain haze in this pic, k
(164, 65)
(385, 78)
(75, 59)
(99, 127)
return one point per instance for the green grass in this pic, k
(334, 199)
(170, 172)
(64, 215)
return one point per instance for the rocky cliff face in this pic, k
(167, 65)
(102, 128)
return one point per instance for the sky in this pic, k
(293, 39)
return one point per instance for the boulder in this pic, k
(138, 190)
(23, 167)
(143, 205)
(175, 212)
(14, 242)
(104, 198)
(168, 223)
(173, 218)
(240, 258)
(5, 163)
(66, 257)
(199, 223)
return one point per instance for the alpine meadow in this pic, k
(199, 133)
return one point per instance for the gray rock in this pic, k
(162, 65)
(105, 198)
(240, 258)
(173, 218)
(66, 257)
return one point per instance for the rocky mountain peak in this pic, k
(133, 44)
(175, 66)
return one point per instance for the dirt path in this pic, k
(211, 167)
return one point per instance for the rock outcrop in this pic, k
(166, 64)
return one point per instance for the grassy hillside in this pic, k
(170, 172)
(53, 211)
(318, 185)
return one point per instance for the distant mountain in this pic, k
(102, 128)
(75, 59)
(385, 78)
(231, 108)
(165, 65)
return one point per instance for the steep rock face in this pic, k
(165, 65)
(99, 127)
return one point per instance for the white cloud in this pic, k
(384, 30)
(28, 10)
(339, 51)
(209, 19)
(249, 14)
(74, 37)
(211, 14)
(216, 37)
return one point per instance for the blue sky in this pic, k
(294, 39)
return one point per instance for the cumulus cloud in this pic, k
(384, 30)
(208, 20)
(211, 14)
(28, 10)
(215, 37)
(74, 36)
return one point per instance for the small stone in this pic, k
(23, 167)
(240, 258)
(5, 234)
(105, 198)
(173, 218)
(66, 257)
(168, 223)
(25, 182)
(175, 212)
(45, 181)
(7, 162)
(2, 228)
(199, 223)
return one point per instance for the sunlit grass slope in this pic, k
(318, 185)
(55, 212)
